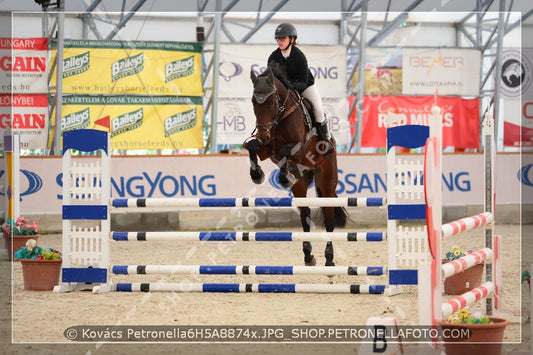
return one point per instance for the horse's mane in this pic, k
(280, 73)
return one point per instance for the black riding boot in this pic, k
(323, 136)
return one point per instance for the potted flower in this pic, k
(17, 233)
(40, 267)
(466, 280)
(478, 333)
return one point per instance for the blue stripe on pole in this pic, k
(120, 202)
(374, 201)
(278, 202)
(217, 236)
(124, 287)
(216, 202)
(374, 236)
(276, 288)
(273, 270)
(374, 270)
(376, 289)
(273, 236)
(93, 212)
(120, 269)
(120, 236)
(218, 269)
(215, 287)
(397, 212)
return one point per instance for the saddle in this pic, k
(307, 109)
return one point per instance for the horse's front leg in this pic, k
(286, 178)
(256, 173)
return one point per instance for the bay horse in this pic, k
(285, 136)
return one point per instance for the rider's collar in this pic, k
(287, 53)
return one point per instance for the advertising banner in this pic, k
(132, 67)
(361, 175)
(139, 122)
(518, 123)
(517, 73)
(448, 70)
(23, 65)
(326, 63)
(236, 119)
(27, 115)
(460, 118)
(517, 91)
(383, 71)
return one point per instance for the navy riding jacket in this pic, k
(295, 66)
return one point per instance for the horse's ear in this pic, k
(270, 75)
(253, 76)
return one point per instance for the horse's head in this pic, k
(265, 104)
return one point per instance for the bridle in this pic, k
(280, 111)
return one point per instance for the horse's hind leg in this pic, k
(328, 253)
(309, 259)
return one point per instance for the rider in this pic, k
(293, 60)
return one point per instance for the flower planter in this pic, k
(19, 241)
(485, 339)
(40, 275)
(464, 281)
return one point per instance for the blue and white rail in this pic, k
(247, 270)
(249, 287)
(250, 236)
(252, 202)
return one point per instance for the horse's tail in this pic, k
(341, 214)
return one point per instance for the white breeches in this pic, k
(312, 94)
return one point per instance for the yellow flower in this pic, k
(456, 252)
(463, 314)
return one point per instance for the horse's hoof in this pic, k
(330, 263)
(258, 176)
(288, 181)
(312, 262)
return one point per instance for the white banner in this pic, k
(517, 73)
(27, 115)
(450, 71)
(236, 119)
(227, 176)
(23, 65)
(327, 64)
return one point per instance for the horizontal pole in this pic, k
(252, 202)
(466, 224)
(247, 270)
(249, 287)
(466, 299)
(465, 262)
(250, 236)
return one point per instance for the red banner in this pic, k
(460, 118)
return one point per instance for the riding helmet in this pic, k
(285, 30)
